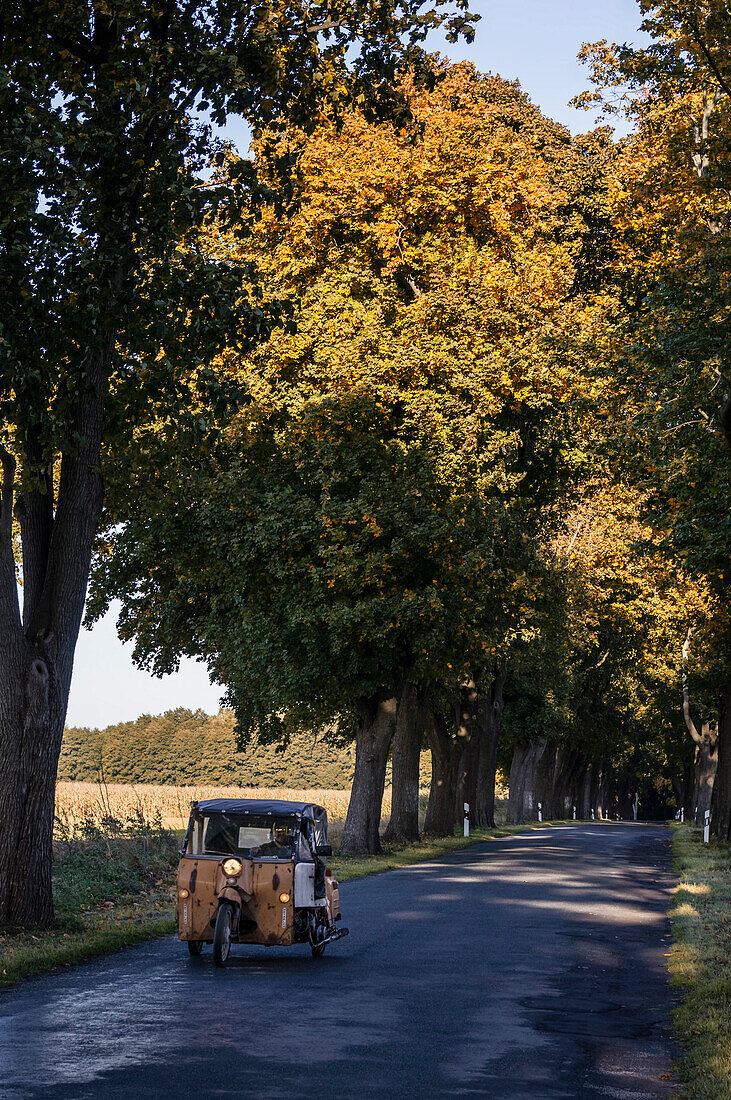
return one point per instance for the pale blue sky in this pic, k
(534, 41)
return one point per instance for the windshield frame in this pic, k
(236, 819)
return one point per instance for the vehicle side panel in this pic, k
(194, 913)
(304, 885)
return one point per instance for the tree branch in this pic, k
(689, 723)
(693, 24)
(573, 540)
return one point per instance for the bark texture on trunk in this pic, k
(706, 746)
(704, 771)
(467, 738)
(721, 819)
(489, 723)
(377, 721)
(405, 759)
(445, 752)
(586, 789)
(36, 654)
(522, 803)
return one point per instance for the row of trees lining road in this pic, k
(416, 425)
(108, 317)
(367, 533)
(424, 527)
(668, 349)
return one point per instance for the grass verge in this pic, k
(700, 964)
(109, 892)
(112, 893)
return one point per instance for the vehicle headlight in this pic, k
(232, 867)
(284, 898)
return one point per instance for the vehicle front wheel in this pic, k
(317, 934)
(222, 933)
(195, 947)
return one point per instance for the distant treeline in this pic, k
(184, 746)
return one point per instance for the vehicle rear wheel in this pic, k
(222, 933)
(195, 947)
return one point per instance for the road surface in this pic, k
(526, 967)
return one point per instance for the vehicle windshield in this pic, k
(253, 836)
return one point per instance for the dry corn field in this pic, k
(79, 802)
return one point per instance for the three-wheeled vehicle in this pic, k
(255, 871)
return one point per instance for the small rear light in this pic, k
(183, 894)
(328, 873)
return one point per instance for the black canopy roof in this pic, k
(268, 806)
(260, 806)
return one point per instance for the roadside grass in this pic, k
(112, 891)
(700, 963)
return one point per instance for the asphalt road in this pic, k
(527, 967)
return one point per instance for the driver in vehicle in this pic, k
(279, 845)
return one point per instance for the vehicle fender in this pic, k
(230, 893)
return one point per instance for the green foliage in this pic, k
(187, 747)
(374, 511)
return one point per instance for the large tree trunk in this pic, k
(489, 722)
(468, 738)
(721, 820)
(704, 771)
(36, 654)
(706, 744)
(598, 791)
(405, 759)
(377, 720)
(584, 803)
(445, 752)
(521, 796)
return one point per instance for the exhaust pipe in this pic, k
(337, 934)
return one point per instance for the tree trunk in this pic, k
(585, 797)
(36, 655)
(521, 796)
(377, 720)
(405, 759)
(598, 791)
(467, 737)
(704, 771)
(689, 804)
(706, 744)
(721, 820)
(489, 722)
(445, 751)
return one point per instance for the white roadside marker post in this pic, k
(574, 813)
(466, 819)
(592, 813)
(540, 812)
(707, 827)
